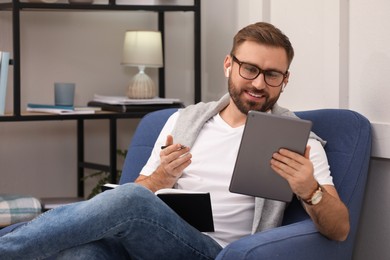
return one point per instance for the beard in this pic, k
(243, 105)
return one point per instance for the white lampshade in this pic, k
(142, 49)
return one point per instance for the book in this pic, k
(87, 108)
(31, 105)
(108, 186)
(71, 108)
(58, 110)
(133, 108)
(121, 100)
(194, 207)
(4, 64)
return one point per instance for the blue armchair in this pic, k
(348, 136)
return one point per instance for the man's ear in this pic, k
(227, 64)
(285, 81)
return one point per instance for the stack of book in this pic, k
(123, 104)
(61, 110)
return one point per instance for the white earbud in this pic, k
(227, 73)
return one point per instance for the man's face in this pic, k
(255, 94)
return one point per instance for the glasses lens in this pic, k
(249, 71)
(273, 78)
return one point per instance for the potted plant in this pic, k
(104, 177)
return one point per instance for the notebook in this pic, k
(193, 207)
(263, 135)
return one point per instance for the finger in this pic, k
(177, 163)
(169, 143)
(169, 140)
(281, 167)
(293, 155)
(307, 152)
(176, 166)
(172, 153)
(173, 148)
(275, 166)
(291, 163)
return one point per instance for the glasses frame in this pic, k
(261, 71)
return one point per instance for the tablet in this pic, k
(263, 135)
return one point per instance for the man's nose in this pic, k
(259, 82)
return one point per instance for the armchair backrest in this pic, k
(142, 143)
(348, 148)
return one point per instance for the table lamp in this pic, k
(142, 49)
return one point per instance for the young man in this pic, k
(202, 141)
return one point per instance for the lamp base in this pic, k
(141, 87)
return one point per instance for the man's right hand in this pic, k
(174, 158)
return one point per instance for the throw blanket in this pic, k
(268, 213)
(15, 208)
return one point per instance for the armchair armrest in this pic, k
(300, 240)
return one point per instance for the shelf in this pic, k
(103, 7)
(26, 116)
(16, 8)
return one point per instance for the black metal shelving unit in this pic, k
(16, 7)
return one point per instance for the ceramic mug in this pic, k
(64, 94)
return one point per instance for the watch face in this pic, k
(316, 197)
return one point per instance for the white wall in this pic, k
(342, 61)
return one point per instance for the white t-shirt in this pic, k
(213, 157)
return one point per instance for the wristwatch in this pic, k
(316, 196)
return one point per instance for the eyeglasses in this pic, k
(250, 72)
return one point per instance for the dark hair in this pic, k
(264, 33)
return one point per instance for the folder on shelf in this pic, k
(123, 104)
(122, 100)
(133, 108)
(4, 64)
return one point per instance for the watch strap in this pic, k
(315, 197)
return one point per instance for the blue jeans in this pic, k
(128, 222)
